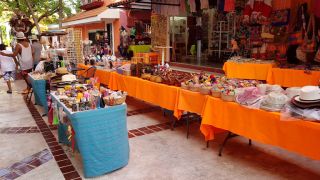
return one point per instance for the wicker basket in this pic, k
(216, 94)
(158, 79)
(114, 101)
(205, 90)
(127, 73)
(227, 97)
(194, 88)
(184, 86)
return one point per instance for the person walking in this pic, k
(8, 67)
(37, 48)
(23, 50)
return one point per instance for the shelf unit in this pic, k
(222, 31)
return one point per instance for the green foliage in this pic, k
(46, 11)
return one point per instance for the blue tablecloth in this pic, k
(40, 93)
(102, 138)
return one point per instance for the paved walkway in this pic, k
(29, 149)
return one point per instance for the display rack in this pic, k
(223, 31)
(74, 46)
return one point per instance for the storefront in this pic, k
(98, 24)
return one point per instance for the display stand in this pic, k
(101, 136)
(40, 93)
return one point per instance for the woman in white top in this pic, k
(24, 51)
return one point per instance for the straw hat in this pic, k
(62, 70)
(20, 35)
(309, 93)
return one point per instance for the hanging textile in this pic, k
(257, 7)
(183, 7)
(192, 4)
(167, 10)
(221, 5)
(229, 5)
(204, 4)
(316, 6)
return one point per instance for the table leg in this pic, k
(229, 136)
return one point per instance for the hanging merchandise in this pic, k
(309, 45)
(266, 33)
(296, 36)
(192, 4)
(221, 5)
(280, 34)
(183, 7)
(257, 11)
(317, 57)
(280, 17)
(229, 5)
(263, 51)
(204, 4)
(316, 6)
(271, 51)
(255, 36)
(281, 54)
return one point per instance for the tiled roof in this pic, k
(86, 14)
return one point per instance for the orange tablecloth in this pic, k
(103, 75)
(189, 101)
(292, 77)
(159, 94)
(247, 70)
(266, 127)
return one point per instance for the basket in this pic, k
(127, 73)
(205, 90)
(184, 86)
(158, 79)
(194, 88)
(228, 98)
(216, 94)
(114, 101)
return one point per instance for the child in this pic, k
(8, 67)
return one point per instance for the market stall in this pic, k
(248, 70)
(293, 77)
(99, 131)
(39, 86)
(266, 127)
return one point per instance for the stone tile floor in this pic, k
(156, 152)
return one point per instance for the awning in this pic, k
(92, 16)
(141, 4)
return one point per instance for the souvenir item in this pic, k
(301, 55)
(309, 45)
(280, 17)
(317, 57)
(292, 92)
(296, 37)
(309, 93)
(274, 102)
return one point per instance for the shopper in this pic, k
(23, 50)
(8, 67)
(37, 48)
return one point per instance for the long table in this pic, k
(101, 136)
(266, 127)
(296, 135)
(293, 77)
(254, 71)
